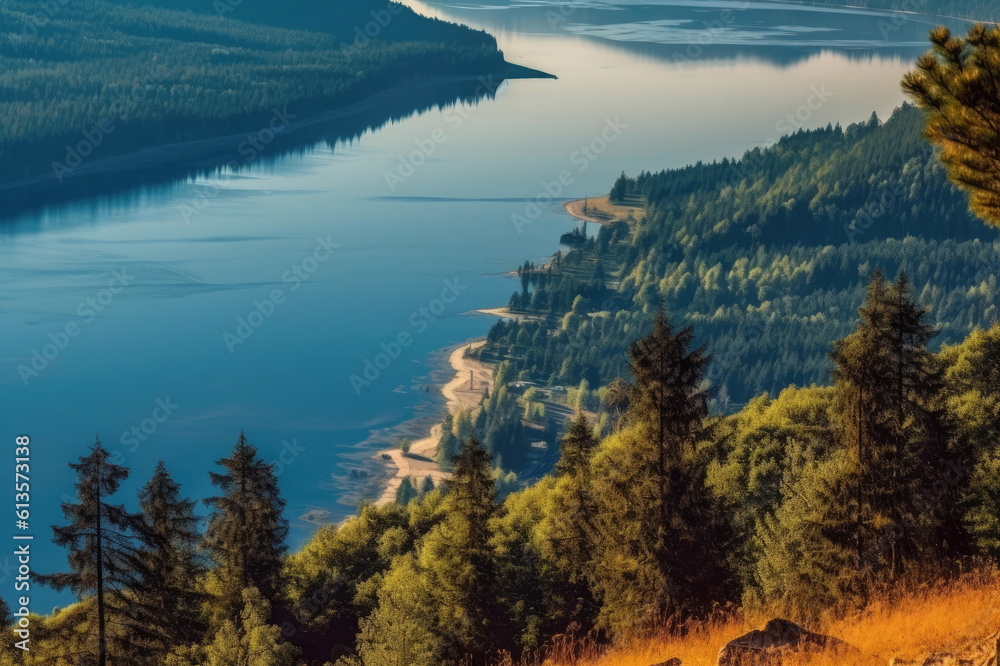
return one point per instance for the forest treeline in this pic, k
(94, 78)
(766, 256)
(810, 501)
(977, 10)
(882, 475)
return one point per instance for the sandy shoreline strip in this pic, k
(601, 211)
(459, 394)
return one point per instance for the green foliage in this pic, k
(659, 533)
(972, 379)
(402, 630)
(158, 76)
(247, 530)
(767, 257)
(250, 641)
(99, 539)
(406, 491)
(165, 604)
(956, 84)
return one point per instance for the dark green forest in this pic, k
(834, 285)
(766, 256)
(978, 10)
(94, 78)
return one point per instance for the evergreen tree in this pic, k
(667, 395)
(619, 189)
(166, 607)
(958, 86)
(246, 531)
(460, 563)
(406, 491)
(448, 444)
(890, 411)
(249, 640)
(98, 537)
(660, 536)
(571, 524)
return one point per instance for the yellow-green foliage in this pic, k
(973, 380)
(326, 581)
(253, 641)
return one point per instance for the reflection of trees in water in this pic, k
(726, 31)
(137, 181)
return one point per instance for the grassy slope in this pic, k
(946, 619)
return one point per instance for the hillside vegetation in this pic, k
(905, 626)
(767, 256)
(93, 78)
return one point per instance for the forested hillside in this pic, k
(92, 78)
(976, 10)
(349, 20)
(766, 256)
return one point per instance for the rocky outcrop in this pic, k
(768, 646)
(669, 662)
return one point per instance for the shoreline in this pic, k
(610, 212)
(420, 462)
(210, 152)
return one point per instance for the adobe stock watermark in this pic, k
(92, 138)
(419, 321)
(48, 11)
(87, 311)
(426, 147)
(709, 36)
(139, 434)
(370, 31)
(290, 452)
(880, 204)
(581, 159)
(249, 149)
(563, 11)
(264, 309)
(753, 161)
(903, 11)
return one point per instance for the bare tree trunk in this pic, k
(101, 645)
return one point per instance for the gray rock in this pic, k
(669, 662)
(765, 647)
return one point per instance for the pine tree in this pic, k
(246, 531)
(166, 606)
(667, 395)
(406, 492)
(660, 536)
(958, 85)
(571, 523)
(576, 448)
(620, 189)
(461, 564)
(98, 536)
(448, 444)
(891, 414)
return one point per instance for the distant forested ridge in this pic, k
(346, 19)
(92, 78)
(976, 10)
(767, 258)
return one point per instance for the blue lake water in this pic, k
(421, 213)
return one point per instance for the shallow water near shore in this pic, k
(233, 310)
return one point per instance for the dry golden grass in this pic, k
(932, 619)
(602, 211)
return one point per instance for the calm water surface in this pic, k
(423, 238)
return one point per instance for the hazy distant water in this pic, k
(416, 252)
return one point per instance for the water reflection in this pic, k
(114, 184)
(681, 31)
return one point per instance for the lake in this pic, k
(168, 315)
